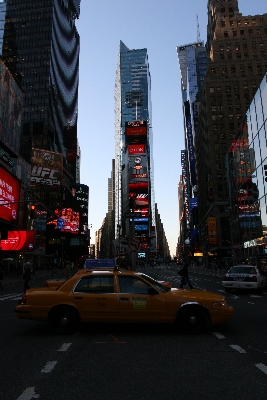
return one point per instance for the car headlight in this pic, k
(220, 304)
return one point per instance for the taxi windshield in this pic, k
(155, 283)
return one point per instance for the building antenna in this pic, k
(198, 31)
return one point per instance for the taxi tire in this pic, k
(65, 320)
(192, 319)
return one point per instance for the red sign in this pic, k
(19, 241)
(135, 131)
(9, 194)
(136, 148)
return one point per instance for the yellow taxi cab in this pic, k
(120, 296)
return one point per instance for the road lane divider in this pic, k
(49, 366)
(238, 348)
(29, 394)
(65, 347)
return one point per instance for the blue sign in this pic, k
(100, 263)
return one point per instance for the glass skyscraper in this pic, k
(40, 46)
(132, 103)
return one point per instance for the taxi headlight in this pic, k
(220, 304)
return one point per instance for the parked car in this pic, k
(244, 277)
(121, 296)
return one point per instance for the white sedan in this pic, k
(244, 277)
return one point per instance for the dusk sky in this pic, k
(159, 26)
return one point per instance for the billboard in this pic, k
(138, 168)
(11, 100)
(9, 193)
(136, 131)
(47, 168)
(67, 221)
(136, 149)
(18, 241)
(212, 230)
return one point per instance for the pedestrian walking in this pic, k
(68, 270)
(1, 278)
(184, 275)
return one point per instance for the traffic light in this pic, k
(265, 170)
(32, 212)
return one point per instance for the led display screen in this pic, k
(67, 221)
(47, 168)
(9, 193)
(136, 149)
(19, 241)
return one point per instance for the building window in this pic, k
(242, 32)
(222, 23)
(225, 33)
(234, 33)
(213, 108)
(212, 90)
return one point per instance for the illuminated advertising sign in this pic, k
(136, 132)
(9, 193)
(190, 144)
(135, 128)
(136, 149)
(140, 187)
(67, 221)
(11, 111)
(18, 241)
(47, 168)
(138, 167)
(212, 230)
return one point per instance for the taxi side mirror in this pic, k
(151, 290)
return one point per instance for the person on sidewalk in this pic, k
(184, 275)
(1, 278)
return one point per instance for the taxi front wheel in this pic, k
(65, 320)
(192, 319)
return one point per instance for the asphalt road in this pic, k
(137, 362)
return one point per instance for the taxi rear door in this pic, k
(96, 299)
(139, 301)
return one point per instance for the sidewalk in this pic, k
(41, 273)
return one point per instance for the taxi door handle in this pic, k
(124, 298)
(78, 298)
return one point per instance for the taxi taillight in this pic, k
(23, 300)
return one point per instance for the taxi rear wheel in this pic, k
(192, 319)
(65, 320)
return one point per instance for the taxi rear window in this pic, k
(242, 270)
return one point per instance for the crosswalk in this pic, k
(11, 296)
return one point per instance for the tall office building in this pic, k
(237, 48)
(193, 63)
(40, 46)
(134, 187)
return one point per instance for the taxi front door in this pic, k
(96, 300)
(136, 304)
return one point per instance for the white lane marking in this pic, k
(238, 348)
(28, 394)
(65, 347)
(249, 302)
(49, 366)
(262, 367)
(11, 296)
(218, 335)
(254, 295)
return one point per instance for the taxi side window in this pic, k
(132, 285)
(96, 284)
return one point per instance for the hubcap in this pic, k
(192, 320)
(64, 321)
